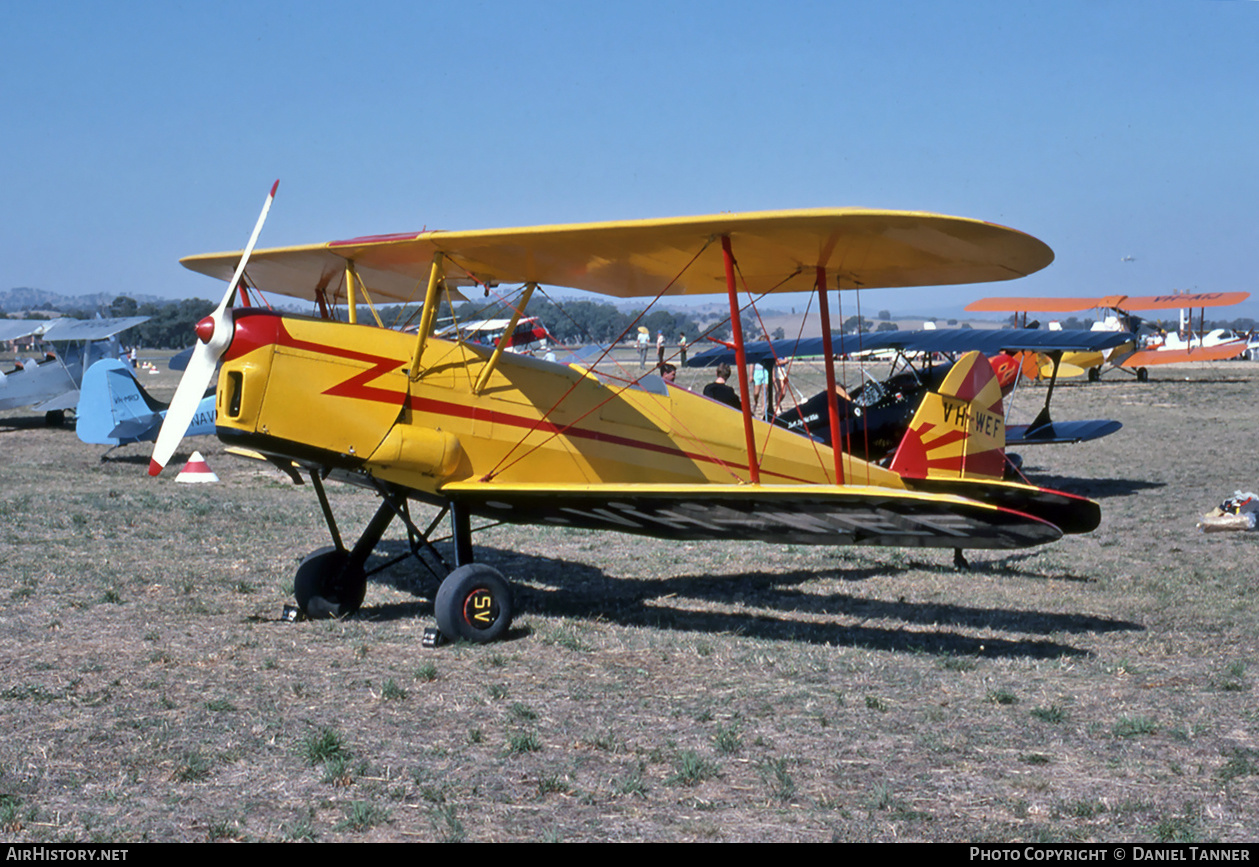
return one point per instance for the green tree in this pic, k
(123, 306)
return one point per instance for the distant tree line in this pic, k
(579, 321)
(170, 325)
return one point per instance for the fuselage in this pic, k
(343, 396)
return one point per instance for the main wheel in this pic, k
(474, 603)
(1143, 375)
(1094, 374)
(55, 417)
(324, 587)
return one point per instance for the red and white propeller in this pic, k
(214, 333)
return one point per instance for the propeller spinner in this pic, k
(214, 333)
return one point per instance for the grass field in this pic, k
(1100, 688)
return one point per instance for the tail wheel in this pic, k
(325, 587)
(474, 604)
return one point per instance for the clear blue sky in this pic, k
(136, 133)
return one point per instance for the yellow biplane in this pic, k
(484, 433)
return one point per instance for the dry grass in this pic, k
(1096, 689)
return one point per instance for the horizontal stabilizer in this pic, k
(1056, 432)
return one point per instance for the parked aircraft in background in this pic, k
(50, 384)
(527, 332)
(114, 409)
(874, 416)
(1135, 358)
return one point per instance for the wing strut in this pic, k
(837, 444)
(436, 277)
(350, 297)
(504, 339)
(736, 327)
(1042, 418)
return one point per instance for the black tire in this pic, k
(1094, 374)
(1143, 375)
(55, 417)
(325, 588)
(474, 604)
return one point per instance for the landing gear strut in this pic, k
(473, 602)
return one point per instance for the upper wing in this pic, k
(775, 250)
(90, 329)
(1118, 302)
(1043, 305)
(16, 329)
(1181, 301)
(947, 340)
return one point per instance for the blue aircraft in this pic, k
(115, 410)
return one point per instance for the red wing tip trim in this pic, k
(375, 239)
(154, 468)
(275, 187)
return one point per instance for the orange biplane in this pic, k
(1131, 357)
(480, 432)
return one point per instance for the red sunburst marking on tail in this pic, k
(960, 432)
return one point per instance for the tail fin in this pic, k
(113, 408)
(958, 433)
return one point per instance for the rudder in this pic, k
(113, 409)
(959, 432)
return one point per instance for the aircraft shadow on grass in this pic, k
(582, 591)
(141, 459)
(1093, 488)
(14, 423)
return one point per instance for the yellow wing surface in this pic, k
(783, 514)
(776, 251)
